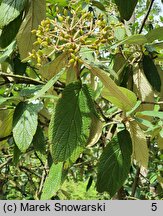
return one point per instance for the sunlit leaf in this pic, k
(25, 122)
(25, 39)
(140, 149)
(119, 33)
(160, 141)
(9, 10)
(47, 86)
(54, 67)
(116, 94)
(143, 90)
(6, 118)
(95, 131)
(150, 113)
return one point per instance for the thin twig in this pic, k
(23, 168)
(22, 79)
(5, 163)
(44, 175)
(146, 16)
(154, 103)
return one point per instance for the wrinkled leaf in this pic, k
(140, 149)
(39, 143)
(52, 182)
(25, 122)
(9, 10)
(69, 127)
(114, 164)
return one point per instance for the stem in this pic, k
(146, 16)
(44, 175)
(136, 181)
(21, 79)
(5, 163)
(150, 102)
(6, 137)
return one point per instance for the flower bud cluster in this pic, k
(69, 31)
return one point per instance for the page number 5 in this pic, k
(154, 207)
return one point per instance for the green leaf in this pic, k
(69, 126)
(9, 10)
(3, 99)
(30, 90)
(134, 108)
(115, 93)
(39, 143)
(25, 39)
(60, 2)
(16, 155)
(25, 122)
(126, 8)
(95, 131)
(6, 118)
(90, 181)
(140, 149)
(155, 34)
(150, 113)
(74, 156)
(9, 32)
(120, 104)
(98, 5)
(119, 33)
(145, 122)
(47, 86)
(134, 39)
(7, 52)
(52, 182)
(114, 164)
(150, 71)
(160, 140)
(54, 67)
